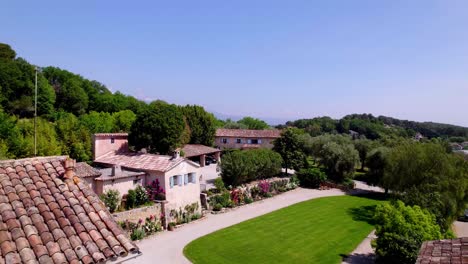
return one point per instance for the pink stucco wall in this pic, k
(232, 142)
(104, 143)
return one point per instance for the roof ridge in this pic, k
(43, 159)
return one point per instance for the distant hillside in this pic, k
(377, 127)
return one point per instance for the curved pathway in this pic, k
(167, 247)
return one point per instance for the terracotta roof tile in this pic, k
(84, 170)
(248, 133)
(141, 161)
(48, 218)
(444, 251)
(192, 150)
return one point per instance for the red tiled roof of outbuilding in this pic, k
(49, 216)
(444, 251)
(248, 133)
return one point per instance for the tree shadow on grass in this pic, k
(358, 258)
(363, 213)
(378, 196)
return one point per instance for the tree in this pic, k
(123, 120)
(401, 230)
(363, 146)
(47, 142)
(98, 122)
(201, 124)
(158, 128)
(239, 167)
(424, 174)
(74, 138)
(6, 52)
(289, 147)
(253, 123)
(376, 162)
(339, 161)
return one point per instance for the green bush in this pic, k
(137, 234)
(217, 207)
(401, 230)
(219, 184)
(311, 178)
(111, 199)
(239, 167)
(141, 196)
(131, 199)
(223, 199)
(248, 200)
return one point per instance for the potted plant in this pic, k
(171, 226)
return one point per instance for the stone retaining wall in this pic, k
(140, 213)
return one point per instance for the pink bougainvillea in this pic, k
(264, 186)
(155, 191)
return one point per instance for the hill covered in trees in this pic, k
(379, 127)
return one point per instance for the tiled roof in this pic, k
(140, 161)
(192, 150)
(111, 134)
(444, 251)
(49, 216)
(84, 170)
(248, 133)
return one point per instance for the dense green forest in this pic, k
(379, 127)
(70, 108)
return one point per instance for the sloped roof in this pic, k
(141, 161)
(248, 133)
(48, 216)
(84, 170)
(192, 150)
(444, 251)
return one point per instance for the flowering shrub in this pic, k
(155, 191)
(151, 225)
(264, 187)
(236, 196)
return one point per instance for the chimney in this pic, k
(176, 154)
(69, 166)
(116, 170)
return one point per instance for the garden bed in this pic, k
(248, 193)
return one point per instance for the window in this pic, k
(186, 181)
(112, 140)
(172, 180)
(254, 141)
(192, 177)
(180, 178)
(238, 141)
(225, 140)
(136, 182)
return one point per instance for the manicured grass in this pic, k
(316, 231)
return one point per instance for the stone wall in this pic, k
(140, 213)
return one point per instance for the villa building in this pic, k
(123, 170)
(245, 138)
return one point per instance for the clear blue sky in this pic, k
(283, 59)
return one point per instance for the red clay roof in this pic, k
(140, 161)
(444, 251)
(83, 170)
(248, 133)
(49, 218)
(111, 134)
(192, 150)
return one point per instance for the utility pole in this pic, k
(35, 117)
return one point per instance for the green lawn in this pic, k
(315, 231)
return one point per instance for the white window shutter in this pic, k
(185, 179)
(171, 181)
(259, 141)
(180, 178)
